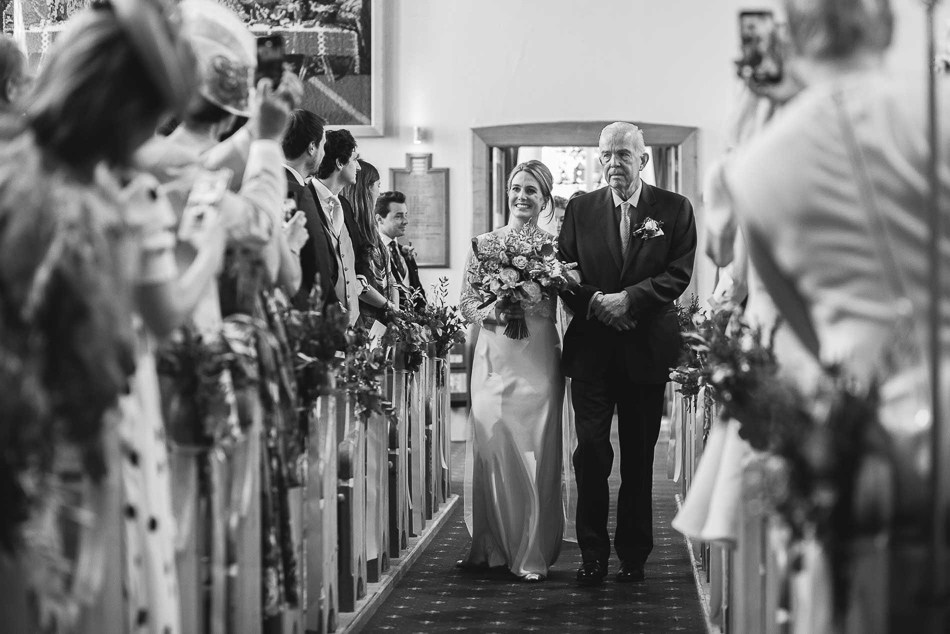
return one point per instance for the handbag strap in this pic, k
(881, 234)
(879, 229)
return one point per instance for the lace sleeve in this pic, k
(472, 299)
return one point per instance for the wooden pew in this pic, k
(444, 396)
(352, 503)
(377, 496)
(399, 456)
(321, 594)
(417, 453)
(433, 436)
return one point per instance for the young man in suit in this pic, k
(634, 245)
(303, 146)
(338, 169)
(392, 218)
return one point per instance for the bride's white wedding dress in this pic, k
(513, 505)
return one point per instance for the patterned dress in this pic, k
(150, 580)
(98, 545)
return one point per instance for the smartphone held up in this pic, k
(761, 60)
(270, 59)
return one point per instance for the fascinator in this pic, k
(225, 52)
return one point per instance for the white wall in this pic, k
(452, 65)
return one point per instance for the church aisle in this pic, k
(437, 597)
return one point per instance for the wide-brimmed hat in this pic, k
(226, 54)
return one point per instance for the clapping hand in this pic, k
(270, 111)
(291, 90)
(295, 232)
(612, 309)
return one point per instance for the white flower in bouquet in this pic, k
(509, 277)
(532, 291)
(520, 262)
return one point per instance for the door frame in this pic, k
(572, 134)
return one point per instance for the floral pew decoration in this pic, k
(316, 337)
(823, 451)
(691, 317)
(433, 322)
(445, 322)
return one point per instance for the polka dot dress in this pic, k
(150, 580)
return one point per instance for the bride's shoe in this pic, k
(532, 577)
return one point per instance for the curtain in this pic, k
(503, 161)
(666, 166)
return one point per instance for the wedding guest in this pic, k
(303, 145)
(392, 219)
(832, 198)
(338, 169)
(560, 206)
(380, 297)
(88, 272)
(259, 257)
(253, 211)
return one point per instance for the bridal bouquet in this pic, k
(519, 269)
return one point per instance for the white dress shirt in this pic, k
(348, 288)
(634, 197)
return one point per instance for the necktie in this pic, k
(398, 268)
(336, 214)
(625, 227)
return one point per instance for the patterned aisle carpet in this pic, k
(434, 596)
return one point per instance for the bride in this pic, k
(513, 460)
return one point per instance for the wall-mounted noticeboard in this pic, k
(427, 199)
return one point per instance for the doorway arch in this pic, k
(682, 139)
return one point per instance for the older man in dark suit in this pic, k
(634, 245)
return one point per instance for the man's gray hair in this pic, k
(622, 129)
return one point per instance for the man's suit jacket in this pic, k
(317, 255)
(654, 274)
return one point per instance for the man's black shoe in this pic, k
(630, 572)
(591, 573)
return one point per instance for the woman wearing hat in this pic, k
(86, 271)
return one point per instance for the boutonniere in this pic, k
(649, 229)
(408, 251)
